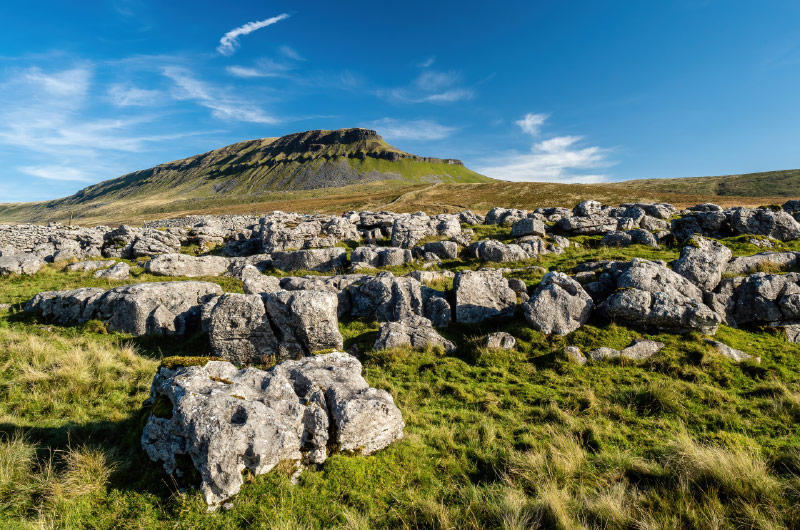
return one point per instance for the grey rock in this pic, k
(240, 331)
(469, 218)
(793, 333)
(616, 239)
(587, 208)
(65, 307)
(500, 341)
(88, 266)
(651, 296)
(414, 331)
(760, 299)
(189, 266)
(596, 224)
(120, 271)
(316, 259)
(408, 231)
(573, 353)
(495, 251)
(638, 350)
(528, 226)
(154, 308)
(378, 257)
(731, 353)
(228, 420)
(253, 282)
(304, 321)
(765, 222)
(558, 305)
(154, 242)
(643, 237)
(702, 262)
(517, 285)
(442, 249)
(710, 223)
(481, 295)
(20, 264)
(784, 261)
(390, 299)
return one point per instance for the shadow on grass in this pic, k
(118, 440)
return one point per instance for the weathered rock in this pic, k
(616, 239)
(651, 296)
(88, 266)
(253, 282)
(240, 331)
(413, 331)
(188, 266)
(587, 208)
(504, 216)
(154, 308)
(573, 353)
(469, 218)
(765, 222)
(775, 261)
(793, 333)
(408, 231)
(65, 307)
(493, 250)
(500, 341)
(709, 223)
(154, 242)
(20, 264)
(528, 226)
(731, 353)
(558, 305)
(378, 257)
(390, 299)
(638, 350)
(304, 321)
(596, 224)
(702, 262)
(643, 237)
(315, 259)
(228, 420)
(120, 271)
(442, 249)
(759, 299)
(481, 295)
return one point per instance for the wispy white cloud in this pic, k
(395, 129)
(56, 173)
(291, 53)
(230, 41)
(532, 123)
(73, 82)
(125, 95)
(427, 63)
(262, 68)
(556, 159)
(223, 105)
(431, 86)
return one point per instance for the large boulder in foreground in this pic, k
(702, 262)
(227, 420)
(481, 295)
(651, 296)
(558, 305)
(189, 266)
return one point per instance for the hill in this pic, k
(301, 161)
(784, 183)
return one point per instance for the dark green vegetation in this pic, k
(494, 439)
(250, 171)
(785, 183)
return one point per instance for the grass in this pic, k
(494, 439)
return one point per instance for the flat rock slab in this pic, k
(638, 350)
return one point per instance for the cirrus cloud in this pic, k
(230, 41)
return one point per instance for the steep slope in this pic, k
(300, 161)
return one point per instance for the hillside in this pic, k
(784, 183)
(301, 161)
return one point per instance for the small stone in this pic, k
(500, 341)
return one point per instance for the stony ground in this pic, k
(494, 438)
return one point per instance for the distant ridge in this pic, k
(781, 183)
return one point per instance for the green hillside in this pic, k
(246, 171)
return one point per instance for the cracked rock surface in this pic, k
(227, 420)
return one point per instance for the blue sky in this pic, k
(567, 91)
